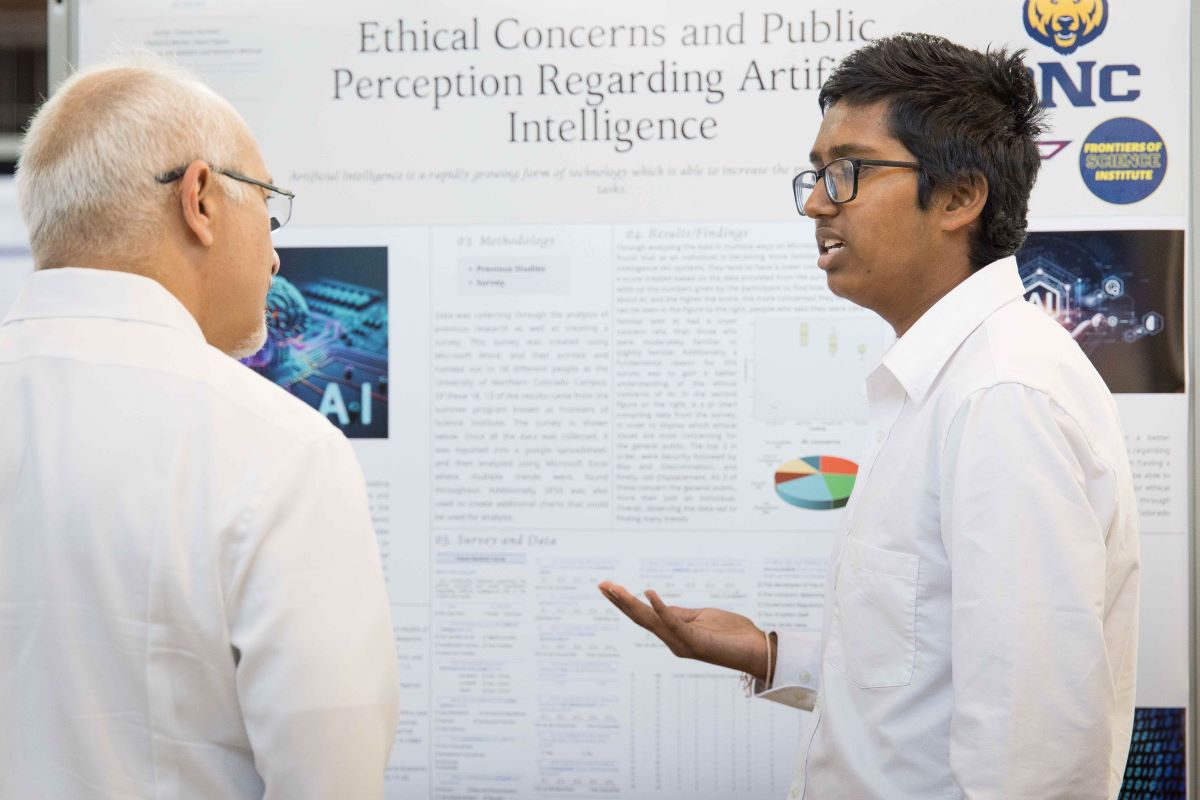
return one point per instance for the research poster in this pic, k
(546, 272)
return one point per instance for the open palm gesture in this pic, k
(705, 634)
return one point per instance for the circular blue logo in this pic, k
(1123, 160)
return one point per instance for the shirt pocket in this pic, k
(875, 616)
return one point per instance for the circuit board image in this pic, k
(327, 334)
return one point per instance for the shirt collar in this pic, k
(918, 356)
(74, 292)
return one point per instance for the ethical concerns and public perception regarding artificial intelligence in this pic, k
(593, 121)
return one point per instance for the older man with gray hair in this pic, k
(192, 602)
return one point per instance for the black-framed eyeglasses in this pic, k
(841, 179)
(279, 201)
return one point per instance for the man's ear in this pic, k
(963, 201)
(195, 200)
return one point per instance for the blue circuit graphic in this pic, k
(1093, 306)
(1156, 768)
(327, 334)
(1115, 292)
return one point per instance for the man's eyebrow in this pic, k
(843, 150)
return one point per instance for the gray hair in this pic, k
(86, 174)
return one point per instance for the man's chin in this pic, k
(251, 344)
(836, 284)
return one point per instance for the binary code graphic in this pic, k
(1156, 767)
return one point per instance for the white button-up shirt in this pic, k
(191, 598)
(980, 625)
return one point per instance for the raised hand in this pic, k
(705, 634)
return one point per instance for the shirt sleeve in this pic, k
(1024, 523)
(797, 670)
(310, 622)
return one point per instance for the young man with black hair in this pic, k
(980, 626)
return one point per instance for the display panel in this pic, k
(613, 340)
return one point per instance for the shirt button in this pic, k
(794, 792)
(805, 677)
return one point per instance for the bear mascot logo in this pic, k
(1065, 25)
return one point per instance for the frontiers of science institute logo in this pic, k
(1123, 160)
(1067, 25)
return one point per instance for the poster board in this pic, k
(501, 241)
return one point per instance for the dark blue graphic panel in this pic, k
(1156, 769)
(1120, 296)
(327, 334)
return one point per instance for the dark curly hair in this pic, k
(960, 112)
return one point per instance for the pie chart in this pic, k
(817, 483)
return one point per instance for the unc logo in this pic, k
(1065, 25)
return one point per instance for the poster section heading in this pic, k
(593, 121)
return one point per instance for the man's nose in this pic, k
(818, 204)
